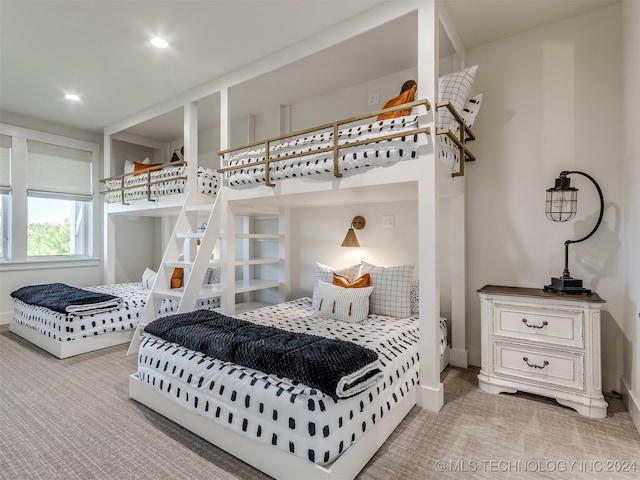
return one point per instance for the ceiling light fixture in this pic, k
(72, 97)
(159, 42)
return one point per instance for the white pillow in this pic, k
(454, 87)
(391, 294)
(325, 273)
(347, 304)
(129, 166)
(471, 109)
(148, 278)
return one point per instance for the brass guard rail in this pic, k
(464, 134)
(147, 175)
(335, 148)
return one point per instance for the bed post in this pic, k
(459, 355)
(430, 393)
(227, 244)
(191, 145)
(109, 235)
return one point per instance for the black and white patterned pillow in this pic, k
(346, 304)
(471, 109)
(391, 294)
(455, 88)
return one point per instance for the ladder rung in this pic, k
(189, 234)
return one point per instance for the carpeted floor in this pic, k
(72, 419)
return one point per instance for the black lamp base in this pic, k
(566, 285)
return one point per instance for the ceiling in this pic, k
(100, 49)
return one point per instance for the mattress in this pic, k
(350, 158)
(208, 184)
(68, 327)
(277, 411)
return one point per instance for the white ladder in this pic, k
(196, 259)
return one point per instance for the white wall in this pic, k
(317, 235)
(631, 166)
(12, 279)
(552, 100)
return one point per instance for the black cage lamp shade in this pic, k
(561, 206)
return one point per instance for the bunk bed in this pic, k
(284, 427)
(155, 181)
(65, 334)
(235, 406)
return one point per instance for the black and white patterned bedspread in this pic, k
(67, 327)
(208, 184)
(350, 159)
(278, 411)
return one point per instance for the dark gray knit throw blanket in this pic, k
(66, 299)
(338, 368)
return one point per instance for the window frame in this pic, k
(17, 257)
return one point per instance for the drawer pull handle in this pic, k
(533, 365)
(544, 324)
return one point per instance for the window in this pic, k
(48, 212)
(5, 190)
(59, 200)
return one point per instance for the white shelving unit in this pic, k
(258, 252)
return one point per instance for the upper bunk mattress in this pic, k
(350, 158)
(280, 412)
(168, 184)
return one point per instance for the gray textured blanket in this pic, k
(63, 298)
(337, 368)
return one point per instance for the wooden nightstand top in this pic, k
(539, 293)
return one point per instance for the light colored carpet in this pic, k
(72, 419)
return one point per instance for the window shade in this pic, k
(5, 164)
(56, 169)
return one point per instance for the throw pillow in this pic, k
(470, 110)
(455, 88)
(346, 304)
(405, 97)
(360, 282)
(141, 166)
(325, 273)
(391, 294)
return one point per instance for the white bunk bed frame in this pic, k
(72, 347)
(433, 181)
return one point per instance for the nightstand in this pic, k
(543, 343)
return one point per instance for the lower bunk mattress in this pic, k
(69, 327)
(277, 411)
(165, 182)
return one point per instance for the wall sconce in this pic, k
(561, 206)
(350, 240)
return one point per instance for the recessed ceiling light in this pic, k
(159, 42)
(71, 96)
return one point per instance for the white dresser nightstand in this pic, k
(543, 343)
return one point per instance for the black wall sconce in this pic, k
(561, 206)
(350, 240)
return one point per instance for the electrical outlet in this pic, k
(387, 221)
(374, 99)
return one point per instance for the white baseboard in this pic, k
(610, 381)
(6, 317)
(632, 404)
(430, 398)
(459, 358)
